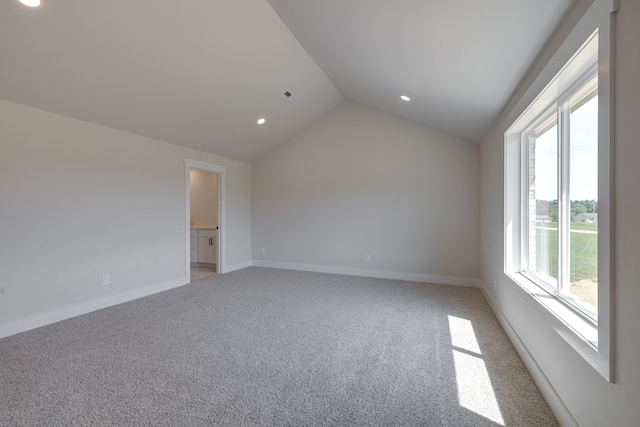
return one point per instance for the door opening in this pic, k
(204, 214)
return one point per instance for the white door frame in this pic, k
(221, 171)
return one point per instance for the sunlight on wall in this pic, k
(475, 392)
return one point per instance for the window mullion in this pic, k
(564, 199)
(529, 251)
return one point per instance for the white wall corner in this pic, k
(549, 393)
(238, 266)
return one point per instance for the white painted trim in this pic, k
(221, 171)
(237, 266)
(549, 393)
(44, 319)
(600, 16)
(379, 274)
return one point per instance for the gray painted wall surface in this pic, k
(80, 200)
(359, 182)
(203, 188)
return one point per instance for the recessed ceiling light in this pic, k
(30, 3)
(261, 121)
(405, 98)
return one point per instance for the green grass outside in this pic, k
(587, 226)
(584, 253)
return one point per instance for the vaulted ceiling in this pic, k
(200, 73)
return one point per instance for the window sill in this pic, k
(578, 332)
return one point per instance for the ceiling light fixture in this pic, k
(261, 121)
(405, 98)
(30, 3)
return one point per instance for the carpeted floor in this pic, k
(273, 347)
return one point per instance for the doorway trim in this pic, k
(221, 171)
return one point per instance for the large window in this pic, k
(557, 190)
(561, 204)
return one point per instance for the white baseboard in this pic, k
(549, 393)
(44, 319)
(237, 266)
(378, 274)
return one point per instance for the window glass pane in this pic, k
(583, 192)
(543, 202)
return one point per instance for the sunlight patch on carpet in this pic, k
(475, 392)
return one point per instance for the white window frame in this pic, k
(589, 336)
(558, 113)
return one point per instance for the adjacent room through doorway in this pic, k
(203, 223)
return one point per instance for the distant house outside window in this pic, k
(561, 237)
(558, 194)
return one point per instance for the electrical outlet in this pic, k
(106, 279)
(367, 258)
(495, 284)
(264, 251)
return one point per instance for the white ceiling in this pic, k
(199, 73)
(458, 60)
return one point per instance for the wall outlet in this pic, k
(264, 251)
(106, 279)
(495, 284)
(367, 258)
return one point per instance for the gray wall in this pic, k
(590, 399)
(360, 181)
(204, 198)
(80, 200)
